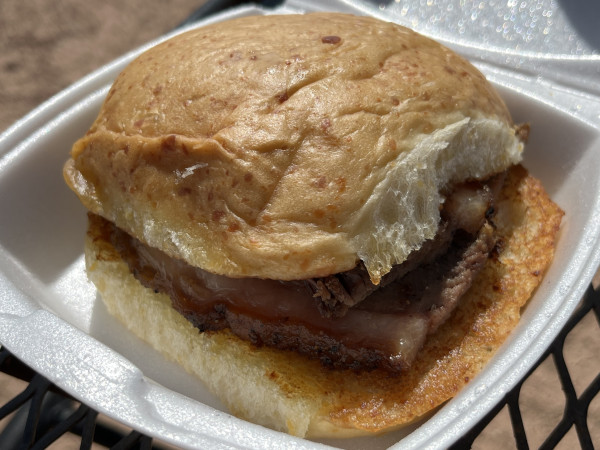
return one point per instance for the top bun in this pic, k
(292, 146)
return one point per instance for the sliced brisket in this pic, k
(384, 331)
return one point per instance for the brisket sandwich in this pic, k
(322, 216)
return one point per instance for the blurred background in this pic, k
(47, 45)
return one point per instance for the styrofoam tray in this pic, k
(51, 318)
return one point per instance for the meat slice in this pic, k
(337, 293)
(435, 289)
(385, 331)
(466, 208)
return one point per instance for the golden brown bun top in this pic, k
(290, 146)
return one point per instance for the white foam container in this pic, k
(51, 318)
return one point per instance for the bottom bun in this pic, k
(288, 392)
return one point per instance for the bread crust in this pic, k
(288, 147)
(289, 392)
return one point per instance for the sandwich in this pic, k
(324, 217)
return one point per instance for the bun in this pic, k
(290, 147)
(289, 392)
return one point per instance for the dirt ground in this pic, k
(45, 46)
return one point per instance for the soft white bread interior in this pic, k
(289, 392)
(290, 147)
